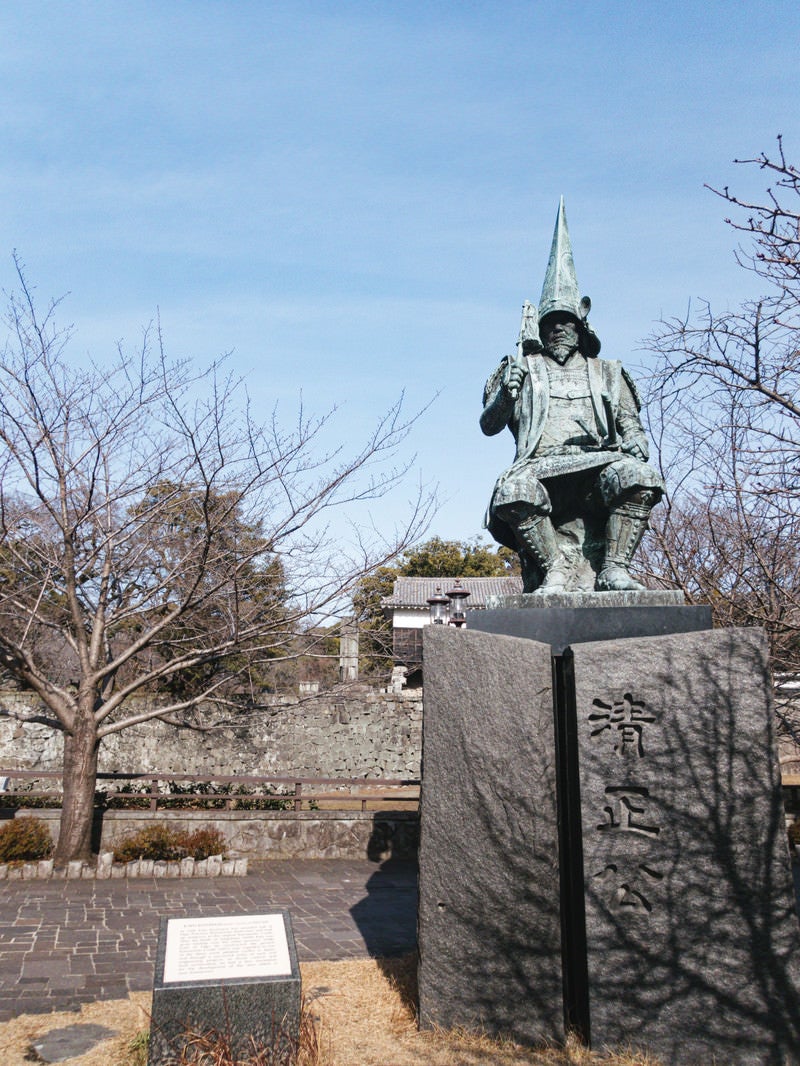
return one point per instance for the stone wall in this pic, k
(374, 835)
(353, 731)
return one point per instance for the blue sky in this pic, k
(354, 198)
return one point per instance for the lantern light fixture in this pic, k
(458, 597)
(439, 607)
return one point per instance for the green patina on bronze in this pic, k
(575, 502)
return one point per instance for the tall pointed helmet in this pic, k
(560, 288)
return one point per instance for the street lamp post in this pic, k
(458, 597)
(439, 607)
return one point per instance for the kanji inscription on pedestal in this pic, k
(691, 935)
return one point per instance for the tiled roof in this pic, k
(416, 591)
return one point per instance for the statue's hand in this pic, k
(637, 447)
(514, 377)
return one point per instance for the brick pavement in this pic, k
(64, 943)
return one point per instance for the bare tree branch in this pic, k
(156, 538)
(724, 410)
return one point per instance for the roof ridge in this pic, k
(411, 591)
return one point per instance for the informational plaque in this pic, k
(225, 948)
(235, 973)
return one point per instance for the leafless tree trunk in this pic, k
(158, 538)
(80, 775)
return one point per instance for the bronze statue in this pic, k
(575, 502)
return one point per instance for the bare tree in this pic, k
(724, 409)
(156, 536)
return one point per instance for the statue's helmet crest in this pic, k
(560, 289)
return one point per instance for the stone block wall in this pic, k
(354, 731)
(374, 835)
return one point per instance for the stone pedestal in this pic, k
(548, 600)
(692, 943)
(235, 974)
(489, 922)
(561, 619)
(677, 927)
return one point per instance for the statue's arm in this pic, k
(498, 402)
(629, 425)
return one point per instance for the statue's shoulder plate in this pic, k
(632, 386)
(494, 382)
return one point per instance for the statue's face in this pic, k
(559, 335)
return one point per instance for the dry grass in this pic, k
(126, 1016)
(363, 1015)
(218, 1049)
(366, 1008)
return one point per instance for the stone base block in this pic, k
(236, 975)
(489, 924)
(562, 624)
(678, 931)
(635, 598)
(692, 941)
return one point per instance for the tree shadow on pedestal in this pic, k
(692, 935)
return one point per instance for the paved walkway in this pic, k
(64, 943)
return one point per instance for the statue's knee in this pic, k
(642, 497)
(629, 481)
(522, 503)
(522, 514)
(539, 500)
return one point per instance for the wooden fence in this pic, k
(302, 793)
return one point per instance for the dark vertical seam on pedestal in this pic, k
(570, 845)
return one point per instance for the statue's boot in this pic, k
(624, 529)
(538, 539)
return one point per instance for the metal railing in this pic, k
(297, 791)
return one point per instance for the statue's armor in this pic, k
(569, 411)
(545, 419)
(575, 502)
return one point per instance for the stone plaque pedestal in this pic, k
(489, 922)
(692, 942)
(561, 619)
(235, 974)
(603, 845)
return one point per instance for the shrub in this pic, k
(22, 802)
(162, 842)
(25, 839)
(154, 842)
(22, 797)
(204, 842)
(185, 797)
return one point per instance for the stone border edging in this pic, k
(106, 869)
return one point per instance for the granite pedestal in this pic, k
(237, 975)
(561, 619)
(489, 921)
(613, 810)
(692, 943)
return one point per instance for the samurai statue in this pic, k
(576, 500)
